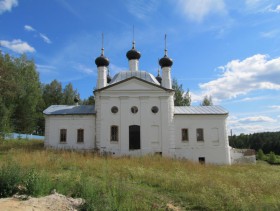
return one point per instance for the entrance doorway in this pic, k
(134, 137)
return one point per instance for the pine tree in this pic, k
(181, 98)
(207, 101)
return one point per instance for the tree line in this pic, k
(266, 141)
(23, 97)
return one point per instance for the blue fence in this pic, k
(23, 136)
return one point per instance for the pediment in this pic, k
(133, 84)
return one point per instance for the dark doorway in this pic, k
(134, 137)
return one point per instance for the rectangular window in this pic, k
(185, 134)
(80, 135)
(63, 135)
(114, 133)
(199, 134)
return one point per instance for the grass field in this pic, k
(137, 183)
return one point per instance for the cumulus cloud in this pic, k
(197, 10)
(241, 77)
(43, 36)
(257, 119)
(252, 124)
(275, 9)
(7, 5)
(17, 46)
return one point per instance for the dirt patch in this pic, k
(52, 202)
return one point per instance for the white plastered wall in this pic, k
(72, 123)
(154, 128)
(214, 148)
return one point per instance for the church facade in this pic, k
(134, 114)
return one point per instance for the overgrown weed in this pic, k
(140, 183)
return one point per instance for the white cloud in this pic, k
(241, 77)
(258, 6)
(45, 68)
(270, 34)
(252, 124)
(141, 8)
(276, 9)
(275, 107)
(253, 128)
(17, 46)
(257, 119)
(43, 36)
(69, 8)
(197, 10)
(84, 69)
(7, 5)
(252, 2)
(115, 69)
(29, 28)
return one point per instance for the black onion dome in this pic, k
(159, 79)
(102, 61)
(76, 99)
(133, 53)
(109, 79)
(165, 61)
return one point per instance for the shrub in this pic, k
(260, 155)
(13, 179)
(272, 157)
(30, 182)
(10, 178)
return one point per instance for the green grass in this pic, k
(141, 183)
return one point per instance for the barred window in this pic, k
(80, 135)
(199, 134)
(185, 134)
(114, 133)
(63, 135)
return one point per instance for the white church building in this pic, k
(134, 114)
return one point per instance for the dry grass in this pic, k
(151, 182)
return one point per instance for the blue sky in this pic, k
(223, 48)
